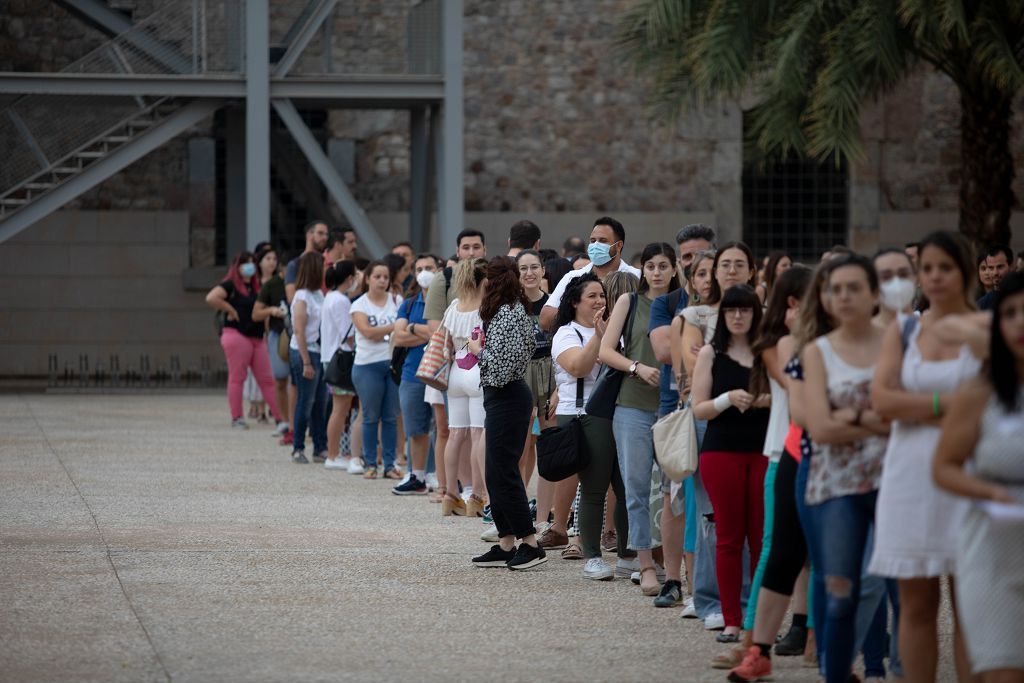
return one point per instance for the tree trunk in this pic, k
(986, 177)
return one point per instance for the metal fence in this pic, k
(113, 374)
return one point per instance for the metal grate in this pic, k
(798, 206)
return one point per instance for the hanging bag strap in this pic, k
(579, 382)
(630, 317)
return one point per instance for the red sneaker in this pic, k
(755, 667)
(286, 440)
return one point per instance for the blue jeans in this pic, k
(311, 405)
(416, 413)
(843, 526)
(817, 602)
(635, 445)
(378, 397)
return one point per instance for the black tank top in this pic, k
(733, 431)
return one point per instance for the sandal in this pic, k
(438, 495)
(649, 590)
(573, 551)
(728, 638)
(728, 660)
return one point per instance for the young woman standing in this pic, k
(373, 316)
(504, 349)
(304, 357)
(850, 441)
(637, 404)
(917, 523)
(539, 373)
(336, 332)
(984, 424)
(465, 398)
(732, 466)
(272, 306)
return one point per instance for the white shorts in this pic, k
(465, 398)
(433, 396)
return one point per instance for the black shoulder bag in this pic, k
(400, 353)
(339, 370)
(606, 389)
(562, 451)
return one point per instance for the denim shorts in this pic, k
(416, 412)
(278, 367)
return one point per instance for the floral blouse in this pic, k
(855, 467)
(508, 346)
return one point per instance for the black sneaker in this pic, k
(671, 595)
(495, 557)
(299, 458)
(527, 556)
(793, 643)
(412, 486)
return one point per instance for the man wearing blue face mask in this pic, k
(607, 240)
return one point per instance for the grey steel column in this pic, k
(450, 186)
(235, 192)
(257, 122)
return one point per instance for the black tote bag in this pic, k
(561, 451)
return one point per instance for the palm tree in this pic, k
(814, 63)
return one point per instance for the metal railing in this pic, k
(40, 133)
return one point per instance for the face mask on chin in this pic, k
(898, 293)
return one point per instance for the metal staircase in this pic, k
(58, 146)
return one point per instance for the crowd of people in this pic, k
(858, 423)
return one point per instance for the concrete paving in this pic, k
(142, 539)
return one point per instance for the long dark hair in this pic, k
(503, 287)
(311, 271)
(554, 270)
(1002, 367)
(650, 251)
(338, 273)
(716, 290)
(769, 269)
(956, 247)
(740, 296)
(792, 283)
(572, 297)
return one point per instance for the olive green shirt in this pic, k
(636, 393)
(439, 296)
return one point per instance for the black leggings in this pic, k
(789, 548)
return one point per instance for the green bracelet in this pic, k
(936, 407)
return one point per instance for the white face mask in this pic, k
(898, 293)
(424, 278)
(354, 287)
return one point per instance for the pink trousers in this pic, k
(243, 353)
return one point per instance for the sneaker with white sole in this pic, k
(490, 534)
(597, 569)
(338, 463)
(355, 467)
(714, 622)
(626, 568)
(689, 611)
(281, 429)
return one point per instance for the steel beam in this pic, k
(94, 174)
(305, 34)
(419, 202)
(450, 200)
(331, 179)
(404, 91)
(257, 122)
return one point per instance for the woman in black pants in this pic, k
(504, 349)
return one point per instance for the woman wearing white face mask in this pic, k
(897, 285)
(242, 337)
(918, 524)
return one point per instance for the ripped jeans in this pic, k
(843, 525)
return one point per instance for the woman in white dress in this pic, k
(918, 523)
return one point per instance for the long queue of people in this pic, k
(858, 424)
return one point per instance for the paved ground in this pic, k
(141, 539)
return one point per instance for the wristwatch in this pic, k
(633, 368)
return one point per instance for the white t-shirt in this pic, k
(566, 338)
(367, 350)
(556, 296)
(314, 304)
(335, 321)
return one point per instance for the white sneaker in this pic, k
(338, 463)
(490, 534)
(598, 570)
(714, 622)
(281, 429)
(689, 611)
(467, 491)
(355, 466)
(626, 568)
(431, 481)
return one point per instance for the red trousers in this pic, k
(735, 485)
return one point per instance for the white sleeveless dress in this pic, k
(916, 523)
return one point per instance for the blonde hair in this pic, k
(813, 320)
(617, 283)
(468, 275)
